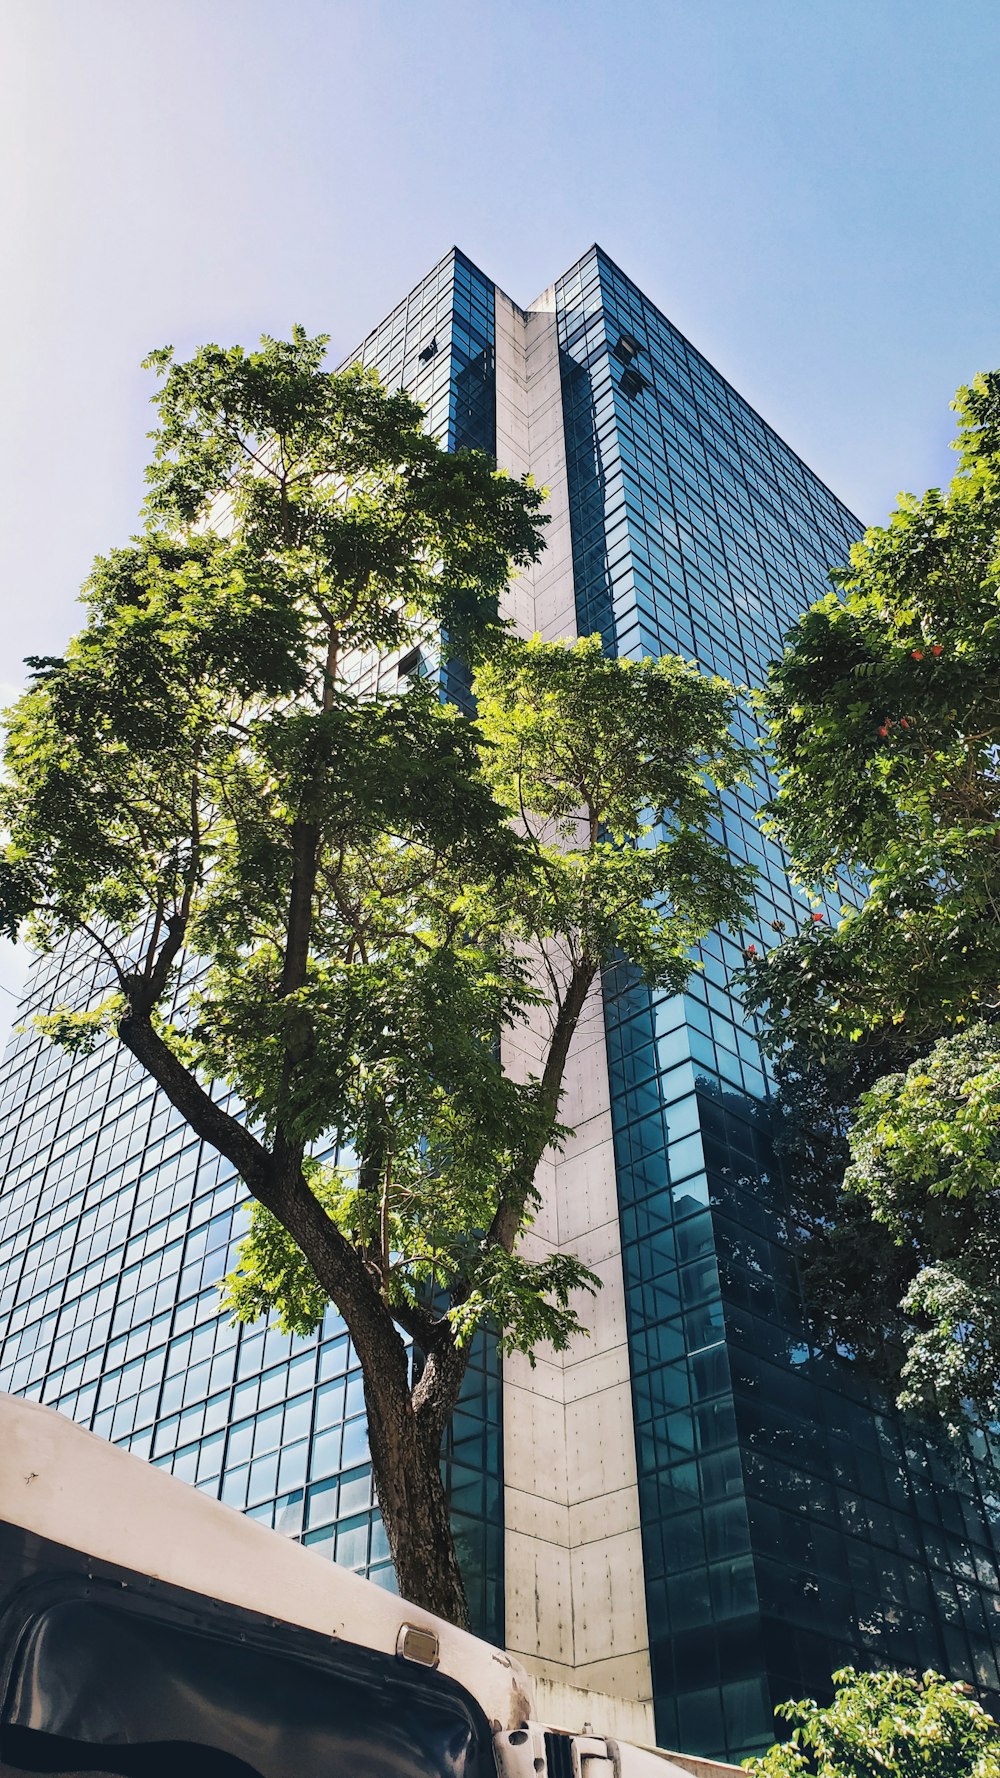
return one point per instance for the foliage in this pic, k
(316, 886)
(884, 713)
(402, 1038)
(612, 769)
(911, 632)
(886, 1725)
(925, 1154)
(274, 1273)
(854, 1274)
(884, 718)
(936, 1128)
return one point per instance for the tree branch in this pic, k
(277, 1182)
(506, 1224)
(108, 952)
(298, 932)
(198, 1108)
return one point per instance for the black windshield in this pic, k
(100, 1689)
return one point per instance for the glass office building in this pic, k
(788, 1522)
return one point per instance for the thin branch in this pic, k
(506, 1224)
(108, 952)
(384, 1220)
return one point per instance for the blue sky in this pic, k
(809, 188)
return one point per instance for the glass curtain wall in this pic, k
(791, 1521)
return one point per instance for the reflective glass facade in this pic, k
(790, 1523)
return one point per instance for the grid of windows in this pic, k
(790, 1520)
(440, 345)
(116, 1224)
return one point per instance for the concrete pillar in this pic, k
(576, 1607)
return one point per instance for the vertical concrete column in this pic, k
(576, 1609)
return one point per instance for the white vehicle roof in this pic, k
(76, 1490)
(67, 1485)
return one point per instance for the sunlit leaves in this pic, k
(630, 743)
(332, 480)
(925, 1156)
(884, 710)
(358, 881)
(884, 716)
(893, 1725)
(612, 770)
(936, 1127)
(273, 1274)
(528, 1300)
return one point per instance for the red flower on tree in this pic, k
(917, 654)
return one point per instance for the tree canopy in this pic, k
(884, 719)
(886, 1725)
(323, 896)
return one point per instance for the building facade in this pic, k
(692, 1511)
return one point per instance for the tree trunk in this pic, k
(405, 1443)
(406, 1459)
(405, 1432)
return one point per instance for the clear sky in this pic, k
(808, 188)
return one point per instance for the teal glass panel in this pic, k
(790, 1522)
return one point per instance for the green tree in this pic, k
(925, 1157)
(853, 1272)
(886, 1725)
(322, 900)
(884, 718)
